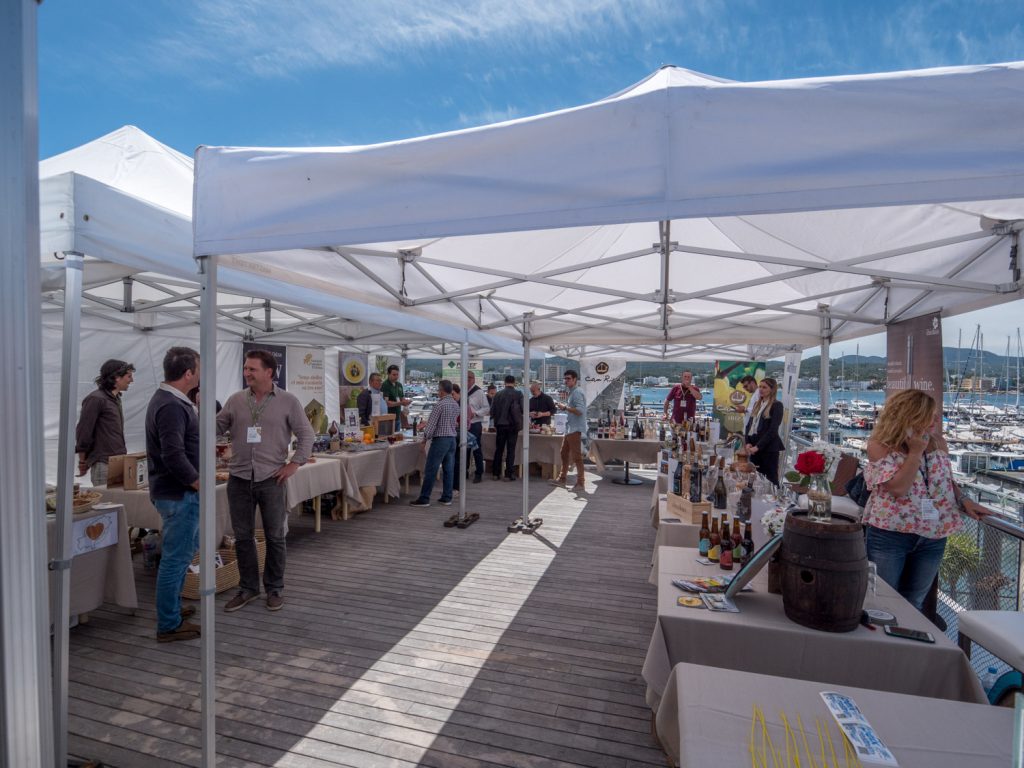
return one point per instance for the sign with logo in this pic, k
(306, 382)
(603, 381)
(451, 368)
(280, 354)
(731, 397)
(914, 355)
(93, 533)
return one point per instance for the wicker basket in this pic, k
(227, 576)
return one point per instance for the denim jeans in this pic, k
(180, 540)
(243, 498)
(441, 454)
(905, 561)
(477, 430)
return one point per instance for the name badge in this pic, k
(928, 511)
(254, 435)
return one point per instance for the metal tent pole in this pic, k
(207, 503)
(65, 500)
(463, 425)
(524, 523)
(823, 382)
(26, 724)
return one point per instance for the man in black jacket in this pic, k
(370, 401)
(172, 449)
(507, 413)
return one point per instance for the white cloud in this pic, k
(271, 38)
(488, 116)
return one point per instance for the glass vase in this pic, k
(819, 499)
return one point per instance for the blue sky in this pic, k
(330, 72)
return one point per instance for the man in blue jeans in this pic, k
(172, 450)
(440, 432)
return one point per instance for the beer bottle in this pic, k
(705, 535)
(695, 475)
(725, 549)
(737, 543)
(714, 541)
(748, 543)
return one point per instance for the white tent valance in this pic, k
(684, 211)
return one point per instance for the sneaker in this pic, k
(185, 631)
(455, 493)
(444, 503)
(274, 601)
(419, 503)
(188, 610)
(240, 600)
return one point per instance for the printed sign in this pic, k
(93, 533)
(731, 397)
(280, 354)
(306, 382)
(451, 368)
(603, 381)
(914, 351)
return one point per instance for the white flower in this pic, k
(773, 520)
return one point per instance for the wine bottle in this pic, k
(714, 541)
(725, 553)
(677, 480)
(721, 495)
(704, 535)
(695, 476)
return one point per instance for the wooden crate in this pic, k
(687, 510)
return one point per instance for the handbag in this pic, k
(857, 490)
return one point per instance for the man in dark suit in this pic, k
(507, 413)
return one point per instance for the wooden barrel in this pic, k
(825, 573)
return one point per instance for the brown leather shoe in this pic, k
(185, 631)
(188, 610)
(274, 601)
(239, 601)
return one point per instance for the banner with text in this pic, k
(451, 368)
(914, 352)
(280, 354)
(731, 398)
(306, 382)
(603, 381)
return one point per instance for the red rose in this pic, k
(810, 463)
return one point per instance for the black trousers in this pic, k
(477, 430)
(767, 463)
(505, 444)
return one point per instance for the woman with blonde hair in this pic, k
(914, 502)
(762, 432)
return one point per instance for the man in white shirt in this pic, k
(749, 383)
(479, 412)
(371, 401)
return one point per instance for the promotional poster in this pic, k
(306, 382)
(731, 398)
(352, 375)
(603, 381)
(280, 353)
(915, 355)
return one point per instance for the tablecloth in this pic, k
(402, 458)
(140, 512)
(761, 639)
(101, 576)
(633, 451)
(703, 704)
(544, 449)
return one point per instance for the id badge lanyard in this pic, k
(927, 506)
(255, 432)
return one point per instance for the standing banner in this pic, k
(352, 375)
(280, 354)
(604, 380)
(787, 392)
(306, 382)
(451, 368)
(914, 351)
(731, 398)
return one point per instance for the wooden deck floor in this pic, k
(403, 643)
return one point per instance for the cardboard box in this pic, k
(130, 470)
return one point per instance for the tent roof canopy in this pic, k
(125, 201)
(685, 215)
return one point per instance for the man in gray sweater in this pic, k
(262, 419)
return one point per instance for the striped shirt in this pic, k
(443, 419)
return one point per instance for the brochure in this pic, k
(858, 730)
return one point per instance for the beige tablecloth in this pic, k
(364, 469)
(673, 531)
(101, 576)
(402, 458)
(633, 451)
(313, 480)
(141, 513)
(761, 639)
(544, 449)
(703, 704)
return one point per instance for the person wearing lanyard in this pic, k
(261, 420)
(371, 401)
(914, 504)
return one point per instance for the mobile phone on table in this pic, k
(909, 634)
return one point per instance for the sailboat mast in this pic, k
(1018, 371)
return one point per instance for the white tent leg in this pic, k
(823, 382)
(525, 523)
(65, 493)
(207, 503)
(26, 725)
(463, 427)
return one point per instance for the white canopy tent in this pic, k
(683, 213)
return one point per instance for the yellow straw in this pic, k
(807, 746)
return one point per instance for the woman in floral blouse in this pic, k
(914, 502)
